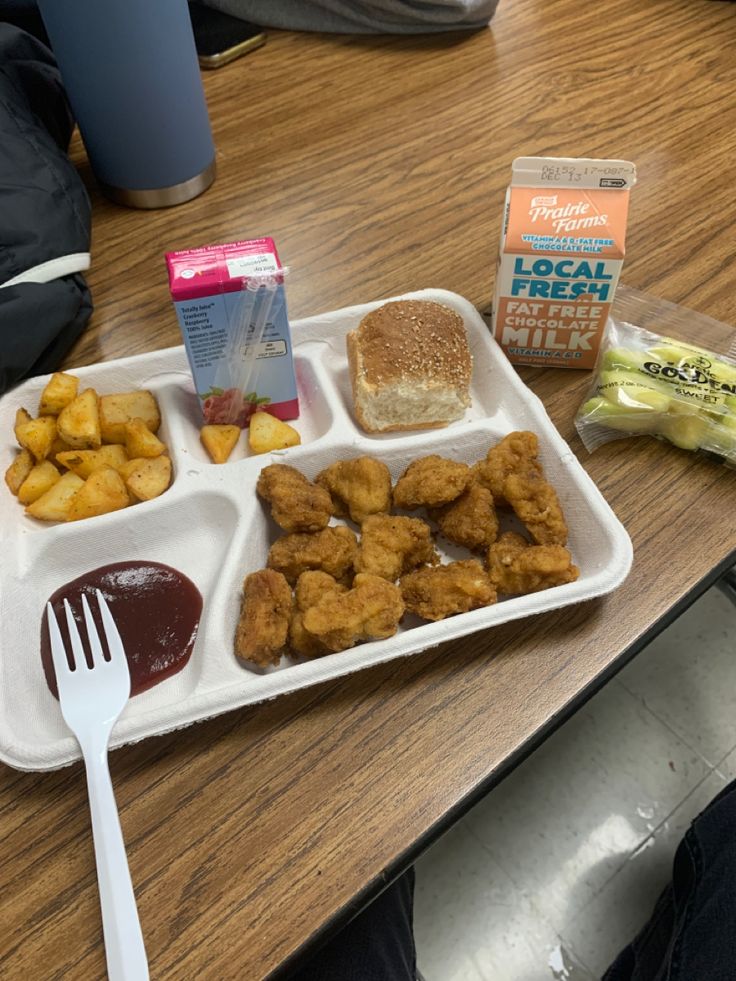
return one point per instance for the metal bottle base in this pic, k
(162, 197)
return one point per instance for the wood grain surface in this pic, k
(379, 166)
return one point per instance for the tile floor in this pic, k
(550, 875)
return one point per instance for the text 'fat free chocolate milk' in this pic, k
(562, 248)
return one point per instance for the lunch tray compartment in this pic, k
(211, 526)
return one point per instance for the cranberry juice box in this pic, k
(231, 306)
(562, 248)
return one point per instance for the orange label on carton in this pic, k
(561, 254)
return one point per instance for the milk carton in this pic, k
(562, 248)
(231, 307)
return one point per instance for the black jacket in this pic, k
(44, 212)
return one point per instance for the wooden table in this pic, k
(379, 166)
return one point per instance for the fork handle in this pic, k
(124, 948)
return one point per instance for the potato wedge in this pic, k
(140, 441)
(116, 410)
(21, 416)
(38, 435)
(147, 478)
(102, 492)
(41, 478)
(54, 504)
(19, 470)
(61, 389)
(58, 446)
(267, 433)
(85, 462)
(79, 422)
(219, 441)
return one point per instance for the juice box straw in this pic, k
(238, 368)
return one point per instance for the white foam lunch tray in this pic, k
(211, 526)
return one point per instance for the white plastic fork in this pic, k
(91, 701)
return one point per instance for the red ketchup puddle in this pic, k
(156, 610)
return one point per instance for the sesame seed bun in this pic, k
(410, 367)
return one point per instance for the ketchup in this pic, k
(156, 610)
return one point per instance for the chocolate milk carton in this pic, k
(562, 248)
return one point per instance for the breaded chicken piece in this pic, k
(537, 506)
(431, 481)
(517, 567)
(260, 636)
(357, 487)
(444, 590)
(371, 610)
(311, 586)
(470, 520)
(391, 545)
(516, 453)
(296, 503)
(331, 550)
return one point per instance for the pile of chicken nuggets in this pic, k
(327, 588)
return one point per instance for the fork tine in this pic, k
(114, 643)
(58, 652)
(95, 646)
(80, 661)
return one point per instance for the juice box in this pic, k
(562, 248)
(231, 306)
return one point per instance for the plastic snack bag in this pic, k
(650, 383)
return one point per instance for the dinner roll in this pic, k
(410, 367)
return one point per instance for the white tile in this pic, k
(625, 903)
(472, 924)
(727, 766)
(687, 675)
(568, 818)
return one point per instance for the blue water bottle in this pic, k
(131, 72)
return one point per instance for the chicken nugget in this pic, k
(431, 481)
(260, 636)
(537, 506)
(391, 545)
(311, 586)
(516, 452)
(371, 610)
(471, 520)
(331, 550)
(434, 593)
(358, 487)
(296, 503)
(518, 567)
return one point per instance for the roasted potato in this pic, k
(41, 478)
(85, 462)
(219, 441)
(54, 504)
(103, 491)
(147, 478)
(37, 435)
(19, 470)
(116, 410)
(78, 436)
(267, 433)
(140, 441)
(61, 389)
(79, 422)
(21, 416)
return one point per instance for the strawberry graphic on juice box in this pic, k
(231, 307)
(562, 248)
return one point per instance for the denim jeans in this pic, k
(691, 935)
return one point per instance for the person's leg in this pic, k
(692, 932)
(378, 945)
